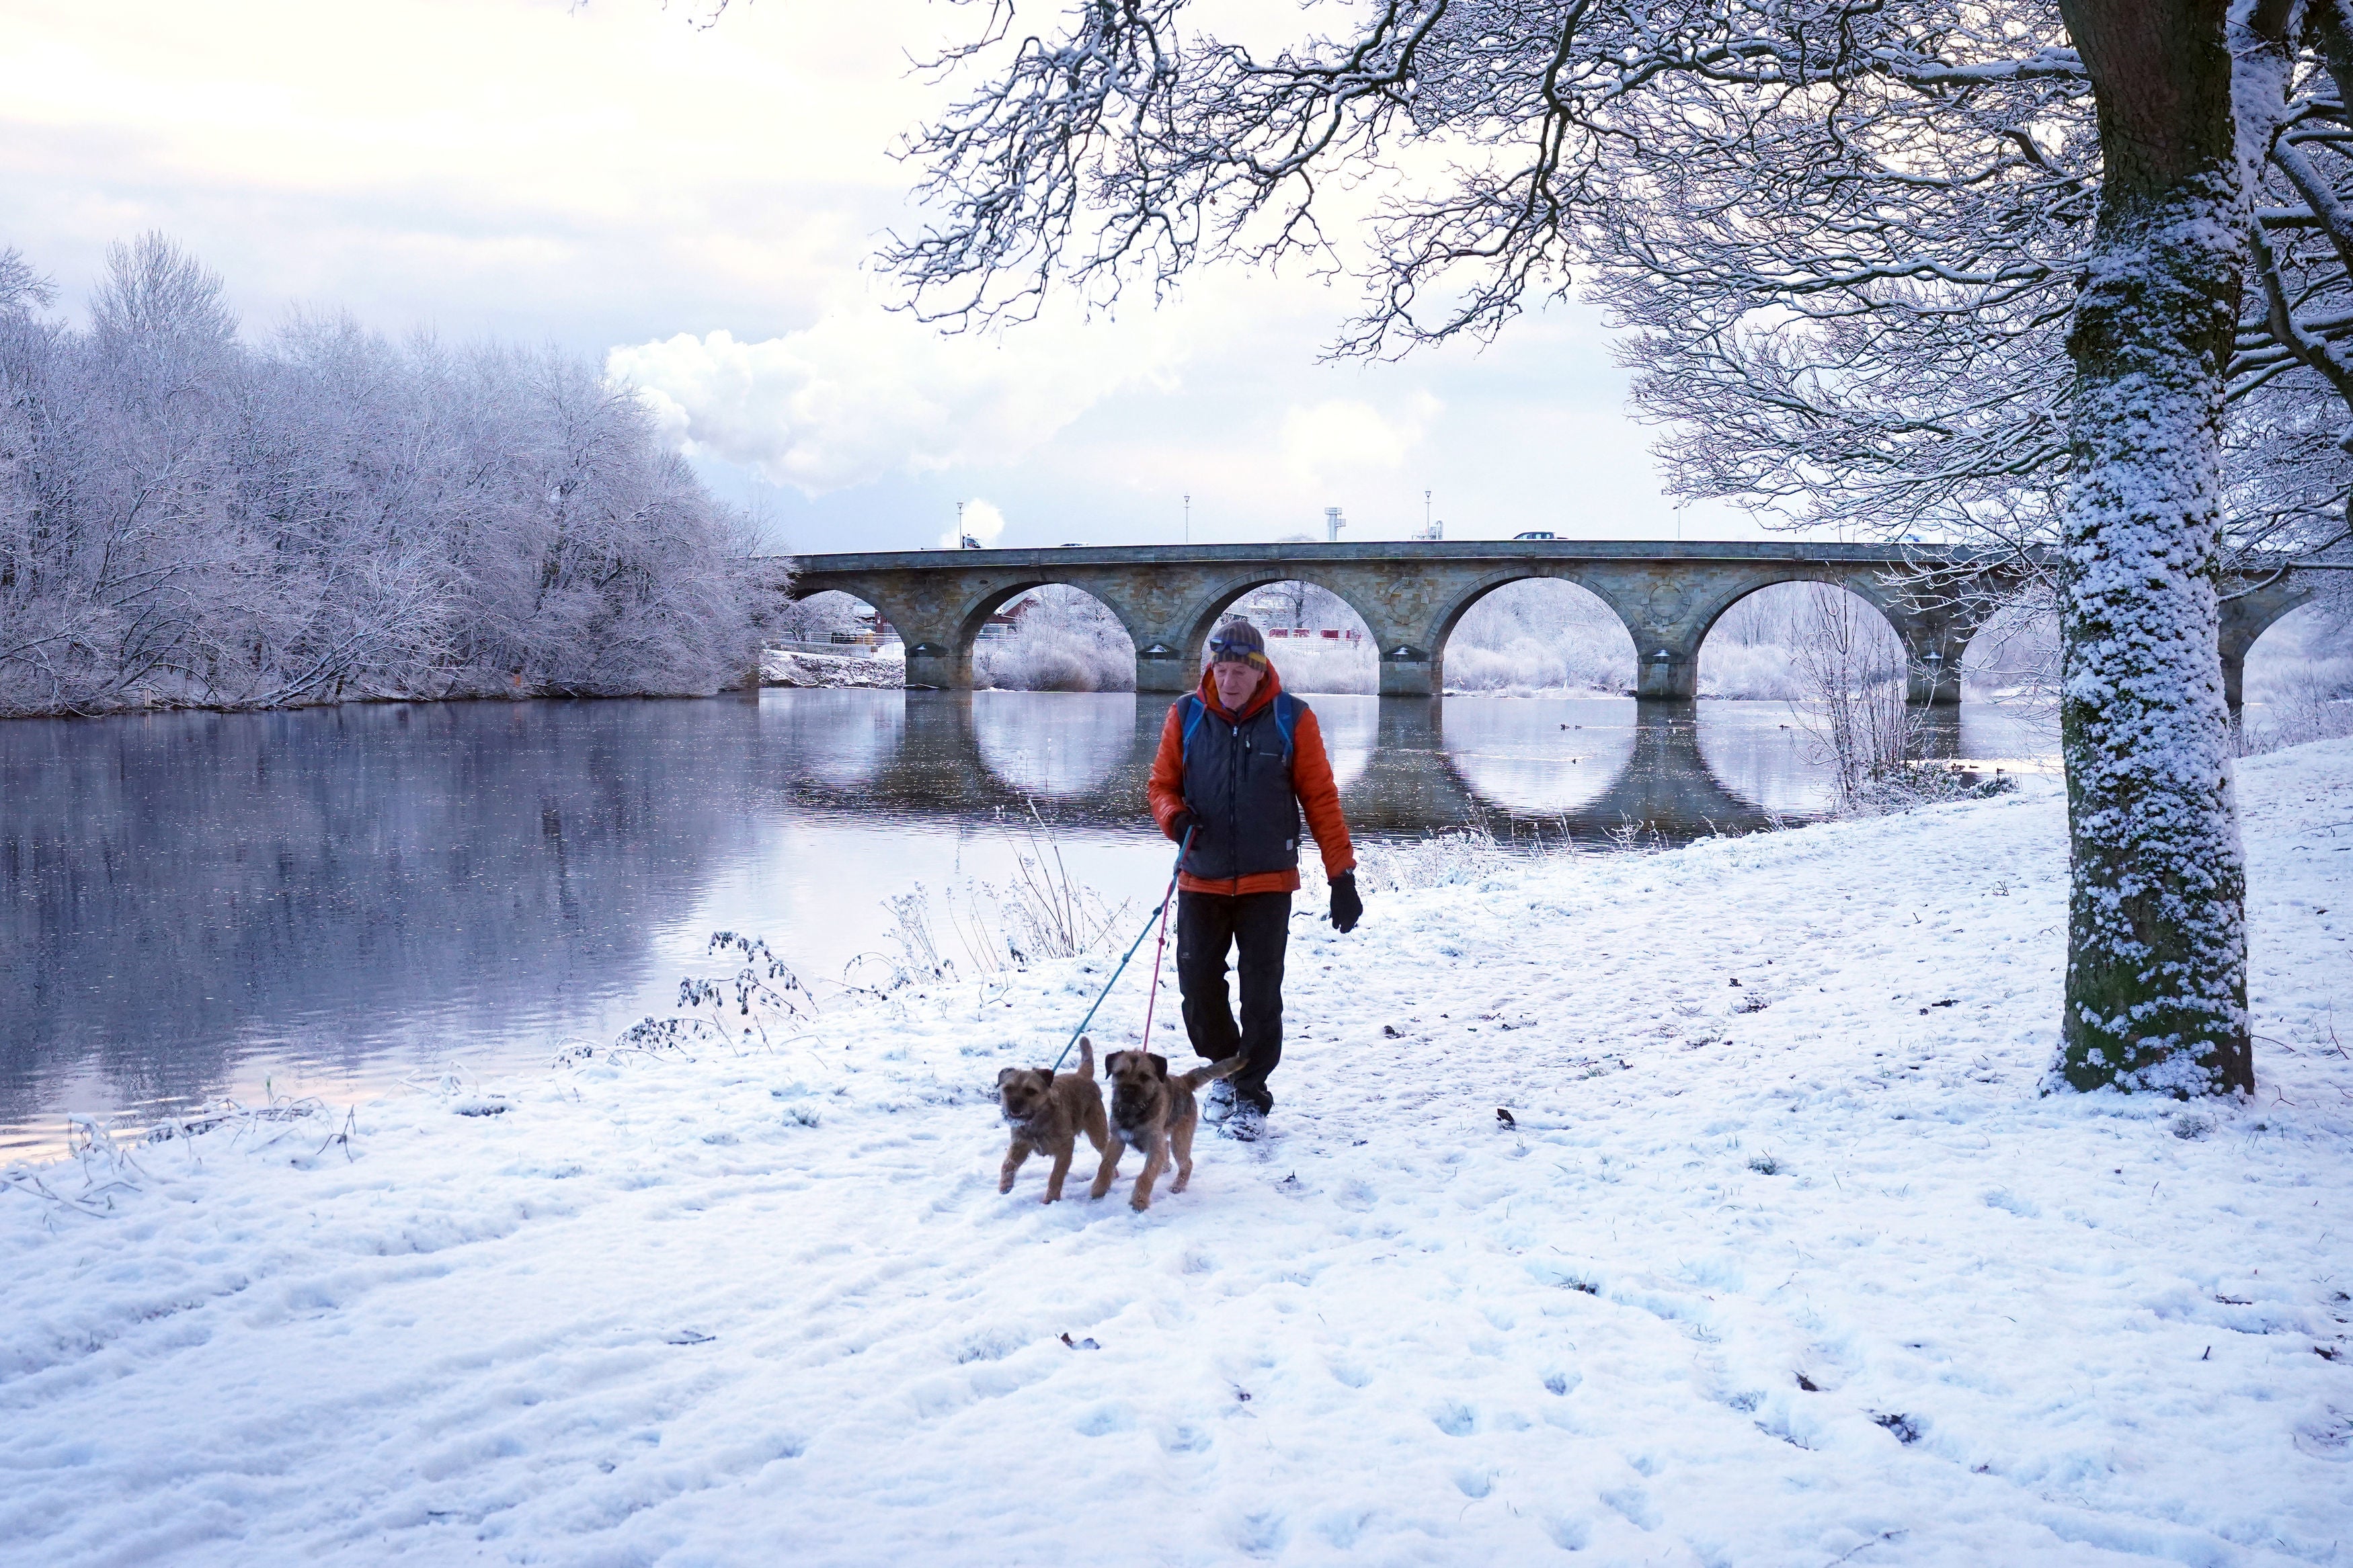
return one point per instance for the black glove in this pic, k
(1346, 907)
(1184, 822)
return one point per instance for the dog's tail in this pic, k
(1214, 1070)
(1086, 1068)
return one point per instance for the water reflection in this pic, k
(1585, 766)
(1086, 742)
(174, 888)
(192, 902)
(1538, 759)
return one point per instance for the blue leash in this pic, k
(1149, 921)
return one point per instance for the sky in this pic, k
(696, 202)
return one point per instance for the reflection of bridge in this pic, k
(1411, 594)
(1410, 784)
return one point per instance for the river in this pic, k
(324, 902)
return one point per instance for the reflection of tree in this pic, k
(174, 887)
(1542, 758)
(1055, 747)
(841, 737)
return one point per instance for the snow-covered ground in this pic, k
(1787, 1261)
(789, 667)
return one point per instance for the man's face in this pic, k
(1237, 683)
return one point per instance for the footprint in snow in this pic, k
(1184, 1438)
(1634, 1505)
(1261, 1534)
(1455, 1419)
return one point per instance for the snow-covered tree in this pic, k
(1953, 264)
(189, 519)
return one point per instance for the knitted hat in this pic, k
(1238, 642)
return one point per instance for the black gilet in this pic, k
(1238, 782)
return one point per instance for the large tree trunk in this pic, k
(2157, 984)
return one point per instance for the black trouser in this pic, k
(1258, 925)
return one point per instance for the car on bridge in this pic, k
(1536, 533)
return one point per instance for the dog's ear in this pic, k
(1110, 1062)
(1007, 1073)
(1159, 1067)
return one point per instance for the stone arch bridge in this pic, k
(1412, 593)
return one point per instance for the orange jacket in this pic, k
(1311, 781)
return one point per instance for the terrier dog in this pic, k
(1048, 1110)
(1157, 1115)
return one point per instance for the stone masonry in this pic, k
(1411, 594)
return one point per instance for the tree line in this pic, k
(190, 519)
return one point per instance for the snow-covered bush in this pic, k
(1445, 858)
(1781, 643)
(1539, 636)
(1064, 639)
(1335, 666)
(187, 519)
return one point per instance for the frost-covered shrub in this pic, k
(1539, 636)
(1759, 671)
(1445, 858)
(1064, 639)
(1335, 666)
(189, 519)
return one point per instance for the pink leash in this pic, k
(1152, 999)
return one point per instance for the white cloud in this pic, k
(613, 173)
(1339, 438)
(980, 522)
(865, 393)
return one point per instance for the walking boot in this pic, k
(1247, 1124)
(1218, 1101)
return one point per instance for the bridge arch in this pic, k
(1779, 619)
(1064, 639)
(1200, 617)
(1669, 618)
(1449, 619)
(885, 604)
(2245, 617)
(939, 615)
(1934, 635)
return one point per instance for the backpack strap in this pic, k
(1287, 710)
(1286, 718)
(1194, 711)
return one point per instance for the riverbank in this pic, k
(789, 667)
(1784, 1258)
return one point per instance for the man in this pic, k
(1239, 762)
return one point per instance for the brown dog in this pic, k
(1157, 1115)
(1048, 1110)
